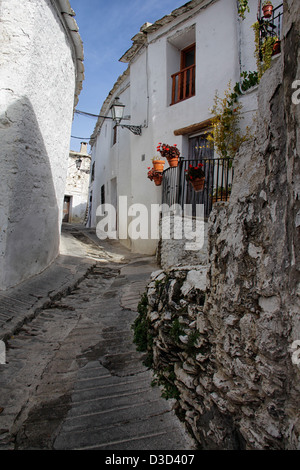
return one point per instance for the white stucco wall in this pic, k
(38, 81)
(77, 185)
(112, 161)
(224, 48)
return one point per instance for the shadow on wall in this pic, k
(32, 238)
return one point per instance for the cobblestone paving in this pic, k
(74, 380)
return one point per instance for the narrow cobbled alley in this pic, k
(73, 378)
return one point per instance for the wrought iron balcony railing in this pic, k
(218, 181)
(270, 27)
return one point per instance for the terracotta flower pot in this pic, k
(267, 11)
(158, 179)
(173, 161)
(276, 48)
(198, 184)
(158, 165)
(219, 198)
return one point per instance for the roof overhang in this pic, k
(200, 126)
(72, 30)
(141, 38)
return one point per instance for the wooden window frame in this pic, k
(184, 81)
(184, 51)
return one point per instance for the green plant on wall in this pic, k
(166, 379)
(242, 8)
(142, 335)
(176, 330)
(248, 81)
(191, 343)
(263, 50)
(226, 136)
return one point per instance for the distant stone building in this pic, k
(77, 186)
(41, 76)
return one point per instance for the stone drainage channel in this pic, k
(74, 380)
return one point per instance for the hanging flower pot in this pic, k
(170, 152)
(267, 10)
(198, 184)
(157, 178)
(196, 176)
(158, 165)
(173, 161)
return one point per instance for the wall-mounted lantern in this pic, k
(117, 112)
(78, 163)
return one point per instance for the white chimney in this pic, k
(83, 148)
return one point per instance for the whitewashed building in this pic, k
(77, 186)
(175, 67)
(41, 74)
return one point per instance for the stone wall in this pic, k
(185, 249)
(236, 384)
(183, 354)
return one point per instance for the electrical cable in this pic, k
(77, 111)
(81, 138)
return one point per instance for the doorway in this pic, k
(67, 209)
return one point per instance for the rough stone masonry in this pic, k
(228, 359)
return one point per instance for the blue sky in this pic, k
(106, 28)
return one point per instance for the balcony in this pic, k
(183, 84)
(218, 181)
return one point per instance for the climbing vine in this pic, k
(141, 331)
(226, 136)
(263, 50)
(242, 8)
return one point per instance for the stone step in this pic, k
(109, 390)
(116, 417)
(122, 434)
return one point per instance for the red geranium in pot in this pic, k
(155, 176)
(196, 176)
(170, 152)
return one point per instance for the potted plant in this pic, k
(276, 47)
(267, 9)
(196, 176)
(158, 164)
(221, 194)
(155, 176)
(264, 50)
(170, 152)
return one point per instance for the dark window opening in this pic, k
(103, 194)
(115, 134)
(93, 172)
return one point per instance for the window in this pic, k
(93, 172)
(103, 194)
(199, 148)
(115, 130)
(183, 82)
(188, 57)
